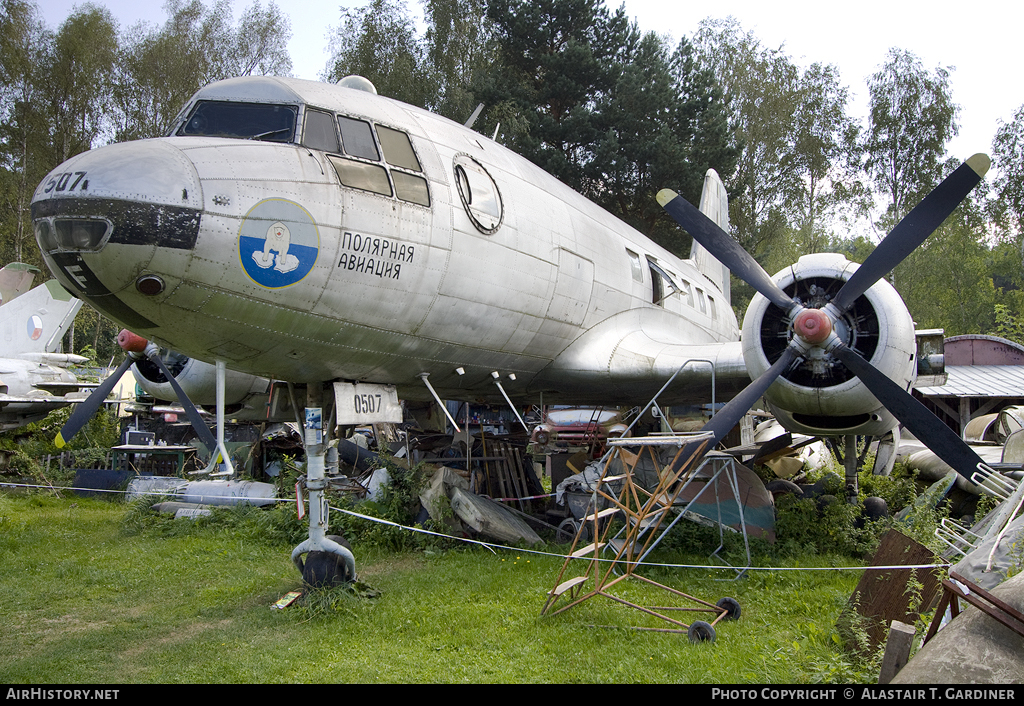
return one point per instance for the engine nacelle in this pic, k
(820, 396)
(199, 382)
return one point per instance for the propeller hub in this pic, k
(131, 342)
(813, 326)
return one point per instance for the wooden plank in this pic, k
(566, 585)
(884, 595)
(589, 549)
(897, 650)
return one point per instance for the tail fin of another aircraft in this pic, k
(35, 322)
(15, 280)
(714, 203)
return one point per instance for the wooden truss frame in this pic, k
(643, 511)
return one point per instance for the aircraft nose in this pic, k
(101, 216)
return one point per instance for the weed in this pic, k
(326, 603)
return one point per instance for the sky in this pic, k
(980, 39)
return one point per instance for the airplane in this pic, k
(318, 233)
(34, 379)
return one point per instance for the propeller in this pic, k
(136, 347)
(814, 328)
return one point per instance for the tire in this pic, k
(325, 569)
(700, 631)
(567, 531)
(731, 607)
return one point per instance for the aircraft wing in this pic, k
(49, 401)
(631, 355)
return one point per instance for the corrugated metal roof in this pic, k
(980, 381)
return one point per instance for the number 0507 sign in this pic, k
(366, 403)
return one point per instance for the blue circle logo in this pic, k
(278, 243)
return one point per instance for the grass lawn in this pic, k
(88, 597)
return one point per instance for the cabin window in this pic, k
(250, 121)
(361, 175)
(701, 302)
(357, 141)
(714, 307)
(686, 292)
(635, 266)
(410, 187)
(657, 288)
(479, 194)
(319, 132)
(397, 149)
(357, 138)
(663, 284)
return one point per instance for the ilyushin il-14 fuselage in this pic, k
(306, 232)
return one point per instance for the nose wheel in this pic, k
(325, 569)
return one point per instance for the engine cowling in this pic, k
(820, 396)
(199, 381)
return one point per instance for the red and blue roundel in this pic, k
(278, 243)
(35, 327)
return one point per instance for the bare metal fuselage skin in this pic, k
(256, 253)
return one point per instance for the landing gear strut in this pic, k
(339, 565)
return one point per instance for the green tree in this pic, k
(796, 179)
(947, 282)
(457, 49)
(78, 67)
(378, 41)
(160, 69)
(22, 126)
(557, 60)
(260, 42)
(1008, 206)
(828, 158)
(912, 118)
(661, 116)
(762, 87)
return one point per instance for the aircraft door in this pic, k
(573, 288)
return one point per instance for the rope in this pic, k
(490, 546)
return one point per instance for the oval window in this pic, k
(479, 194)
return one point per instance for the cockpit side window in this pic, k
(247, 121)
(361, 166)
(319, 132)
(357, 138)
(397, 148)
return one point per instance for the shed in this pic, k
(984, 374)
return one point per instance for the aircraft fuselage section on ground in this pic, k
(354, 237)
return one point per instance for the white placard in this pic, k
(366, 403)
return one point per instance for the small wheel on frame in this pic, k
(731, 607)
(567, 530)
(700, 631)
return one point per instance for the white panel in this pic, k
(366, 403)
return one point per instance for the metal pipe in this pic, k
(423, 377)
(229, 469)
(503, 393)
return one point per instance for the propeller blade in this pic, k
(725, 249)
(205, 435)
(914, 229)
(732, 412)
(942, 440)
(84, 410)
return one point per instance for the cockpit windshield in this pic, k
(247, 121)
